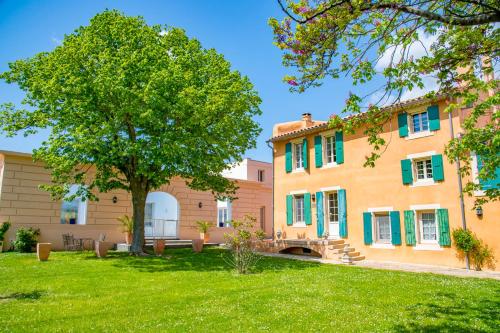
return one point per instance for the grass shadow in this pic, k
(450, 312)
(32, 295)
(211, 259)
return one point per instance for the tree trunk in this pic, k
(139, 194)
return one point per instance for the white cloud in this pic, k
(417, 50)
(430, 84)
(56, 40)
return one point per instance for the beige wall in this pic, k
(25, 205)
(382, 187)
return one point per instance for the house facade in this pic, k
(402, 210)
(171, 211)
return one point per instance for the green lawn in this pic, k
(184, 292)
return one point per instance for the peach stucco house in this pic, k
(402, 210)
(171, 211)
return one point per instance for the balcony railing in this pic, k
(160, 228)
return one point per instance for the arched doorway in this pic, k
(161, 216)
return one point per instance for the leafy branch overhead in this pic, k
(131, 106)
(390, 48)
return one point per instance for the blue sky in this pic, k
(237, 29)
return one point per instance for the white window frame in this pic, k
(475, 175)
(326, 203)
(324, 137)
(419, 157)
(425, 162)
(419, 114)
(81, 217)
(297, 223)
(420, 243)
(295, 143)
(225, 207)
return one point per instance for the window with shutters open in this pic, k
(419, 122)
(298, 163)
(422, 169)
(430, 224)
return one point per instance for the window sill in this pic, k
(427, 247)
(298, 170)
(330, 165)
(423, 183)
(382, 246)
(419, 135)
(299, 225)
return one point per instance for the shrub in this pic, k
(26, 239)
(482, 255)
(240, 244)
(464, 240)
(260, 234)
(474, 248)
(3, 229)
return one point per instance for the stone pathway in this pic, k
(396, 266)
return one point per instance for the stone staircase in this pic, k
(336, 248)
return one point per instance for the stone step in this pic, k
(341, 250)
(350, 254)
(358, 258)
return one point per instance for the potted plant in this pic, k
(198, 245)
(159, 246)
(4, 227)
(203, 227)
(43, 251)
(127, 227)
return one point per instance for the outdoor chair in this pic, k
(71, 244)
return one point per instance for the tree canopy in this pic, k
(139, 105)
(376, 41)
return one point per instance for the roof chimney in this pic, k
(307, 119)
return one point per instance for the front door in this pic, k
(333, 215)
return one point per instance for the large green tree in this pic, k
(139, 105)
(398, 45)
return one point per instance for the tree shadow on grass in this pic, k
(32, 295)
(211, 259)
(449, 312)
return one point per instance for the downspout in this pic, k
(272, 203)
(459, 178)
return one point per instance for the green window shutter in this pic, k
(403, 124)
(410, 228)
(437, 167)
(320, 217)
(395, 228)
(304, 153)
(288, 157)
(491, 183)
(433, 115)
(289, 209)
(443, 227)
(406, 172)
(318, 151)
(367, 228)
(339, 147)
(342, 213)
(307, 208)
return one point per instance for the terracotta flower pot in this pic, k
(128, 238)
(102, 248)
(159, 246)
(43, 251)
(205, 236)
(198, 245)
